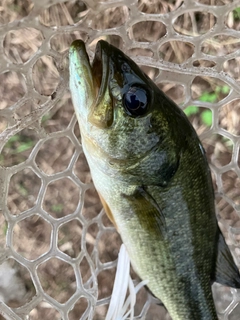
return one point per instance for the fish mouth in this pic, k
(101, 113)
(89, 83)
(100, 68)
(97, 71)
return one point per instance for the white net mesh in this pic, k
(58, 253)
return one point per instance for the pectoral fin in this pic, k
(108, 211)
(226, 271)
(148, 211)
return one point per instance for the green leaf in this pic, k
(225, 89)
(208, 97)
(236, 13)
(227, 142)
(190, 110)
(5, 228)
(12, 140)
(22, 190)
(45, 118)
(57, 207)
(24, 146)
(206, 116)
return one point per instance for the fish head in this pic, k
(128, 126)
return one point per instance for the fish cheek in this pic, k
(160, 167)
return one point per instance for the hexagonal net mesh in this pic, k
(58, 250)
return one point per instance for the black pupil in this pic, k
(135, 101)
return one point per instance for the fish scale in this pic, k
(152, 176)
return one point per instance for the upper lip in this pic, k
(100, 68)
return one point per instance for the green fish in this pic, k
(152, 176)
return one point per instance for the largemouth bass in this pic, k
(152, 176)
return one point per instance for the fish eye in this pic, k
(135, 101)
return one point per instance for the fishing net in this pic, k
(58, 250)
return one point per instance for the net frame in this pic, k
(41, 102)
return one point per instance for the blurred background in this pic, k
(58, 250)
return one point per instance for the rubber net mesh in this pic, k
(58, 250)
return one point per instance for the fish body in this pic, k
(152, 176)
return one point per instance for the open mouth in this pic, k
(100, 67)
(97, 67)
(89, 83)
